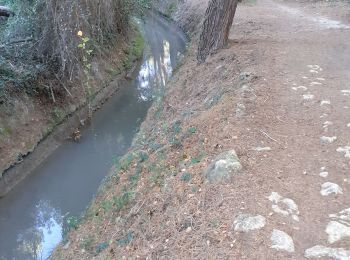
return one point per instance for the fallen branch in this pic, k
(269, 137)
(16, 42)
(62, 84)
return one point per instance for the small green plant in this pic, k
(5, 131)
(87, 243)
(58, 114)
(120, 201)
(192, 130)
(215, 223)
(72, 222)
(86, 52)
(171, 9)
(126, 240)
(186, 177)
(102, 246)
(126, 162)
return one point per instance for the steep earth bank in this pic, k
(245, 156)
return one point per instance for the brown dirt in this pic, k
(171, 217)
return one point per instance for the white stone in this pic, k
(348, 125)
(328, 139)
(327, 123)
(308, 97)
(324, 174)
(262, 149)
(313, 71)
(322, 251)
(247, 222)
(325, 102)
(282, 241)
(315, 83)
(314, 67)
(329, 188)
(346, 91)
(343, 216)
(303, 88)
(284, 206)
(224, 167)
(337, 231)
(345, 150)
(321, 79)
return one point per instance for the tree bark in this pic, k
(5, 11)
(216, 27)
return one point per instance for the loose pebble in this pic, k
(337, 231)
(288, 206)
(328, 139)
(282, 241)
(262, 149)
(324, 174)
(325, 102)
(315, 67)
(300, 87)
(322, 251)
(345, 150)
(329, 188)
(308, 97)
(247, 222)
(342, 216)
(315, 83)
(321, 79)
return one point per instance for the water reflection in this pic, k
(37, 242)
(33, 217)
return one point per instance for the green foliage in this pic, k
(171, 9)
(87, 243)
(41, 39)
(5, 131)
(58, 114)
(186, 177)
(72, 222)
(120, 201)
(126, 240)
(135, 50)
(102, 246)
(192, 130)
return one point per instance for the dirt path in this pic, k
(280, 97)
(301, 113)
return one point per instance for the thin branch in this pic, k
(269, 137)
(63, 85)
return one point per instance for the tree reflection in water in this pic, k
(38, 242)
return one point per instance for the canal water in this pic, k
(33, 216)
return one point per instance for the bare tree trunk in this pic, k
(216, 27)
(5, 11)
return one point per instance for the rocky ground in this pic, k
(246, 156)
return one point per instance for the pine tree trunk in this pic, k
(216, 27)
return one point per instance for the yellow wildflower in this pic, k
(80, 33)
